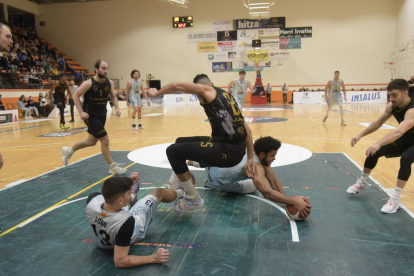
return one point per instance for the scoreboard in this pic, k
(182, 22)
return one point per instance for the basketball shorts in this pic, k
(96, 126)
(143, 212)
(335, 99)
(218, 179)
(59, 103)
(135, 100)
(239, 98)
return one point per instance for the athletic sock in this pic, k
(195, 164)
(365, 177)
(139, 120)
(174, 181)
(70, 150)
(133, 120)
(397, 192)
(189, 189)
(180, 194)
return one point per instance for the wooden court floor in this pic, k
(43, 228)
(27, 155)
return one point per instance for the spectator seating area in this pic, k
(34, 63)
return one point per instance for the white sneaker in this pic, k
(66, 155)
(116, 169)
(392, 206)
(30, 117)
(26, 117)
(140, 126)
(359, 185)
(134, 126)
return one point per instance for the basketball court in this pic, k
(44, 230)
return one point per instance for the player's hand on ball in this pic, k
(251, 166)
(302, 206)
(372, 150)
(84, 115)
(134, 176)
(152, 92)
(355, 140)
(162, 255)
(118, 113)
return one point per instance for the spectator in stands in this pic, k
(54, 71)
(61, 64)
(362, 89)
(2, 107)
(4, 63)
(19, 55)
(22, 105)
(32, 105)
(41, 70)
(44, 104)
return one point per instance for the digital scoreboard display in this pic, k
(182, 22)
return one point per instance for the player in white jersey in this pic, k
(115, 227)
(235, 179)
(334, 96)
(238, 87)
(133, 95)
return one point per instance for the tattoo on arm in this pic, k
(156, 193)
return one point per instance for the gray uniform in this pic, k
(334, 93)
(238, 92)
(135, 93)
(105, 225)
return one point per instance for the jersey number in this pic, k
(236, 110)
(105, 236)
(149, 203)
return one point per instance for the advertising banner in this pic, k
(297, 32)
(201, 37)
(269, 33)
(270, 44)
(249, 24)
(275, 66)
(290, 43)
(203, 47)
(225, 56)
(226, 46)
(278, 54)
(252, 55)
(274, 22)
(223, 25)
(227, 35)
(219, 67)
(258, 34)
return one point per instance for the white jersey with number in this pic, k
(335, 87)
(135, 89)
(105, 225)
(239, 88)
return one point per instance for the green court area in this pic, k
(231, 235)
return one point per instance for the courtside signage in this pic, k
(201, 37)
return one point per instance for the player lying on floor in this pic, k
(235, 179)
(116, 228)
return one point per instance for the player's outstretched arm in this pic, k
(250, 86)
(326, 90)
(127, 91)
(262, 185)
(375, 125)
(114, 99)
(205, 93)
(122, 259)
(402, 128)
(274, 182)
(229, 87)
(251, 164)
(344, 89)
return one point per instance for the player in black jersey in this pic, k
(95, 92)
(399, 142)
(59, 98)
(225, 148)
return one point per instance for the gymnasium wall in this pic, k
(405, 39)
(352, 36)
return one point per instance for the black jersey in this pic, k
(227, 123)
(96, 98)
(399, 114)
(59, 94)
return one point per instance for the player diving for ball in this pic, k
(235, 179)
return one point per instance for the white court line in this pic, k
(41, 214)
(293, 226)
(387, 191)
(25, 180)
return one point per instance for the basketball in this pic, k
(293, 213)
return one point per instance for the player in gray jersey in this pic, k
(114, 227)
(133, 94)
(238, 88)
(235, 179)
(334, 96)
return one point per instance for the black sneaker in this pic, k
(140, 126)
(71, 121)
(134, 126)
